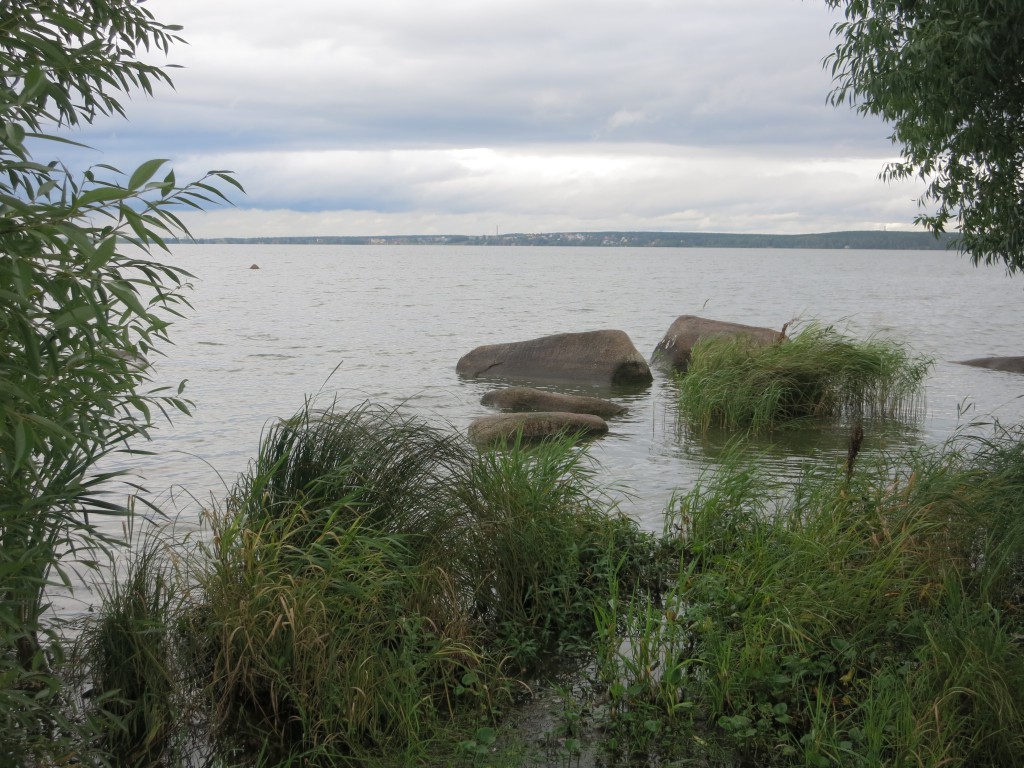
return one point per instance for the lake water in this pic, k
(388, 324)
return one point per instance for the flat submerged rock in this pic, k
(534, 425)
(1008, 364)
(530, 399)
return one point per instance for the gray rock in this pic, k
(597, 357)
(530, 399)
(503, 427)
(1009, 364)
(674, 349)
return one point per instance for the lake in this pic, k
(387, 324)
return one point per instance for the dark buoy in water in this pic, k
(255, 266)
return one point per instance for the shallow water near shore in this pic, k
(387, 324)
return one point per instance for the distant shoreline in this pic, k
(862, 240)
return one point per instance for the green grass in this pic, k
(139, 694)
(818, 373)
(336, 630)
(376, 585)
(865, 620)
(370, 464)
(323, 647)
(375, 591)
(541, 544)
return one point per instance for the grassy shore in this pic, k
(377, 592)
(872, 619)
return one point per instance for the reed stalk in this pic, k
(374, 580)
(817, 373)
(860, 619)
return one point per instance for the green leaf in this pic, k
(103, 254)
(76, 316)
(15, 134)
(144, 173)
(167, 187)
(126, 293)
(35, 83)
(21, 443)
(104, 194)
(485, 736)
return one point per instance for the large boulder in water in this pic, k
(504, 427)
(530, 399)
(675, 348)
(597, 357)
(1009, 364)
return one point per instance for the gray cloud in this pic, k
(502, 72)
(540, 188)
(704, 114)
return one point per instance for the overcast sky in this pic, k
(476, 116)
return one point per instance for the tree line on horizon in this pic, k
(865, 240)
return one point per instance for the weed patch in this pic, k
(818, 373)
(376, 584)
(852, 620)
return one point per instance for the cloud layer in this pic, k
(459, 117)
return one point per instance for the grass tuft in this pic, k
(374, 580)
(541, 542)
(138, 676)
(864, 619)
(816, 374)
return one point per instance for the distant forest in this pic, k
(867, 240)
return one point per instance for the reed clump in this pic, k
(817, 373)
(541, 542)
(375, 592)
(374, 582)
(138, 680)
(872, 619)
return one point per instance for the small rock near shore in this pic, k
(535, 425)
(997, 363)
(530, 399)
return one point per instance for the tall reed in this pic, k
(141, 689)
(336, 629)
(541, 541)
(373, 580)
(370, 463)
(817, 373)
(860, 619)
(320, 649)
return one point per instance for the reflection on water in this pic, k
(790, 452)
